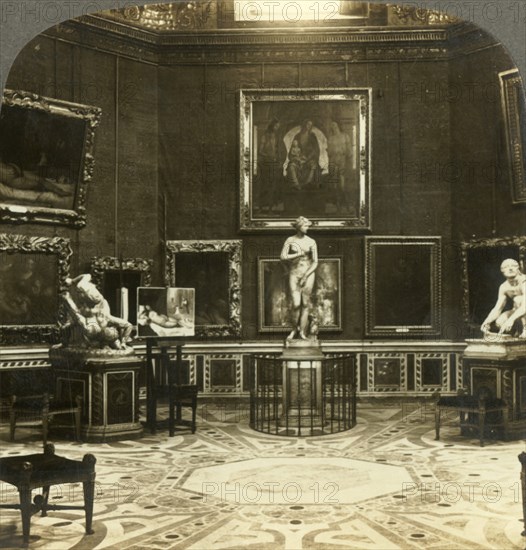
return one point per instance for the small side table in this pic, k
(28, 472)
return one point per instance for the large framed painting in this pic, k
(118, 279)
(46, 158)
(305, 152)
(213, 268)
(33, 273)
(481, 275)
(513, 106)
(274, 300)
(403, 286)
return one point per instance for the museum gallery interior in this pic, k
(261, 276)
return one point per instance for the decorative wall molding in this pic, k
(205, 355)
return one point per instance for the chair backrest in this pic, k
(167, 370)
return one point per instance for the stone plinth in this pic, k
(494, 346)
(108, 384)
(302, 384)
(495, 367)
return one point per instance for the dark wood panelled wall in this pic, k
(169, 129)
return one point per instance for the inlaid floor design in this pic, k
(385, 484)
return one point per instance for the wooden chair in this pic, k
(42, 408)
(28, 472)
(163, 378)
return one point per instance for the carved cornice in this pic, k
(272, 45)
(254, 37)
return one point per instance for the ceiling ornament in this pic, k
(172, 16)
(411, 14)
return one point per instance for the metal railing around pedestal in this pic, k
(303, 397)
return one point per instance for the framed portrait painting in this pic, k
(33, 274)
(213, 268)
(305, 152)
(274, 299)
(403, 286)
(46, 158)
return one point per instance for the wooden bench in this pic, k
(28, 472)
(478, 414)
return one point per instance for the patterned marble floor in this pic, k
(386, 484)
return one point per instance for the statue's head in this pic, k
(301, 223)
(86, 290)
(510, 267)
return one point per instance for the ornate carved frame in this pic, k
(22, 244)
(100, 266)
(519, 242)
(513, 108)
(248, 220)
(430, 244)
(75, 217)
(233, 249)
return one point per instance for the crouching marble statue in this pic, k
(494, 366)
(89, 324)
(95, 361)
(508, 320)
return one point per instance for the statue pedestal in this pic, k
(302, 383)
(495, 368)
(109, 388)
(496, 347)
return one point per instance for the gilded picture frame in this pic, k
(110, 274)
(33, 275)
(46, 159)
(403, 286)
(274, 295)
(213, 268)
(513, 109)
(305, 151)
